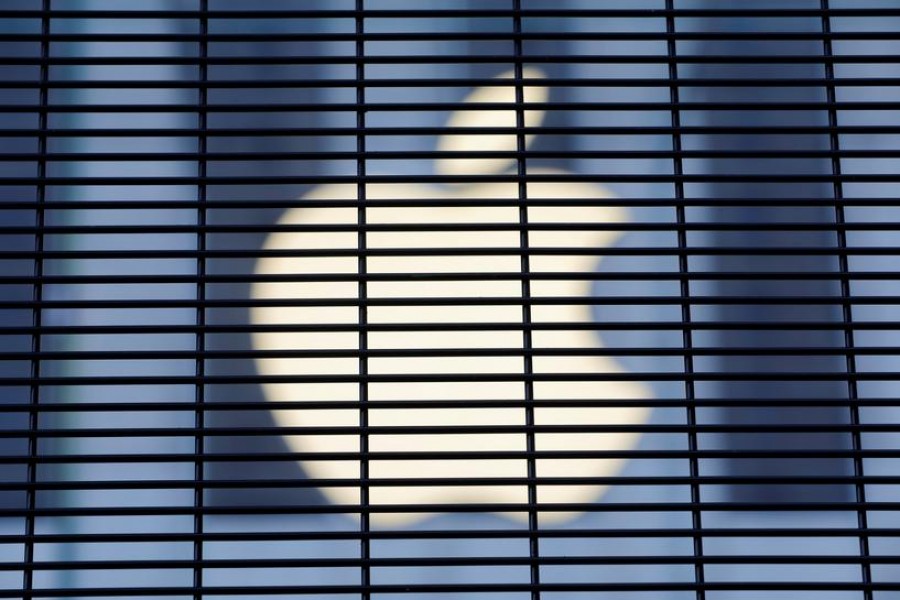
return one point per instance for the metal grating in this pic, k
(497, 299)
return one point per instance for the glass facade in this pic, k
(219, 223)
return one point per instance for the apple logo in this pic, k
(469, 362)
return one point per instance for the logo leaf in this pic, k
(474, 118)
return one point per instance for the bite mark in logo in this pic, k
(468, 363)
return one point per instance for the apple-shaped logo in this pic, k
(470, 311)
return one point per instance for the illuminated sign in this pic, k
(468, 311)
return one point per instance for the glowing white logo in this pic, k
(470, 363)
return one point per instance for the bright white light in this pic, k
(463, 313)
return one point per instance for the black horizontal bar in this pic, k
(443, 534)
(412, 36)
(132, 255)
(475, 403)
(172, 157)
(483, 251)
(654, 13)
(211, 180)
(219, 205)
(437, 59)
(479, 301)
(261, 457)
(455, 482)
(151, 228)
(468, 508)
(885, 325)
(604, 82)
(661, 130)
(451, 561)
(126, 380)
(455, 588)
(431, 430)
(441, 353)
(153, 279)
